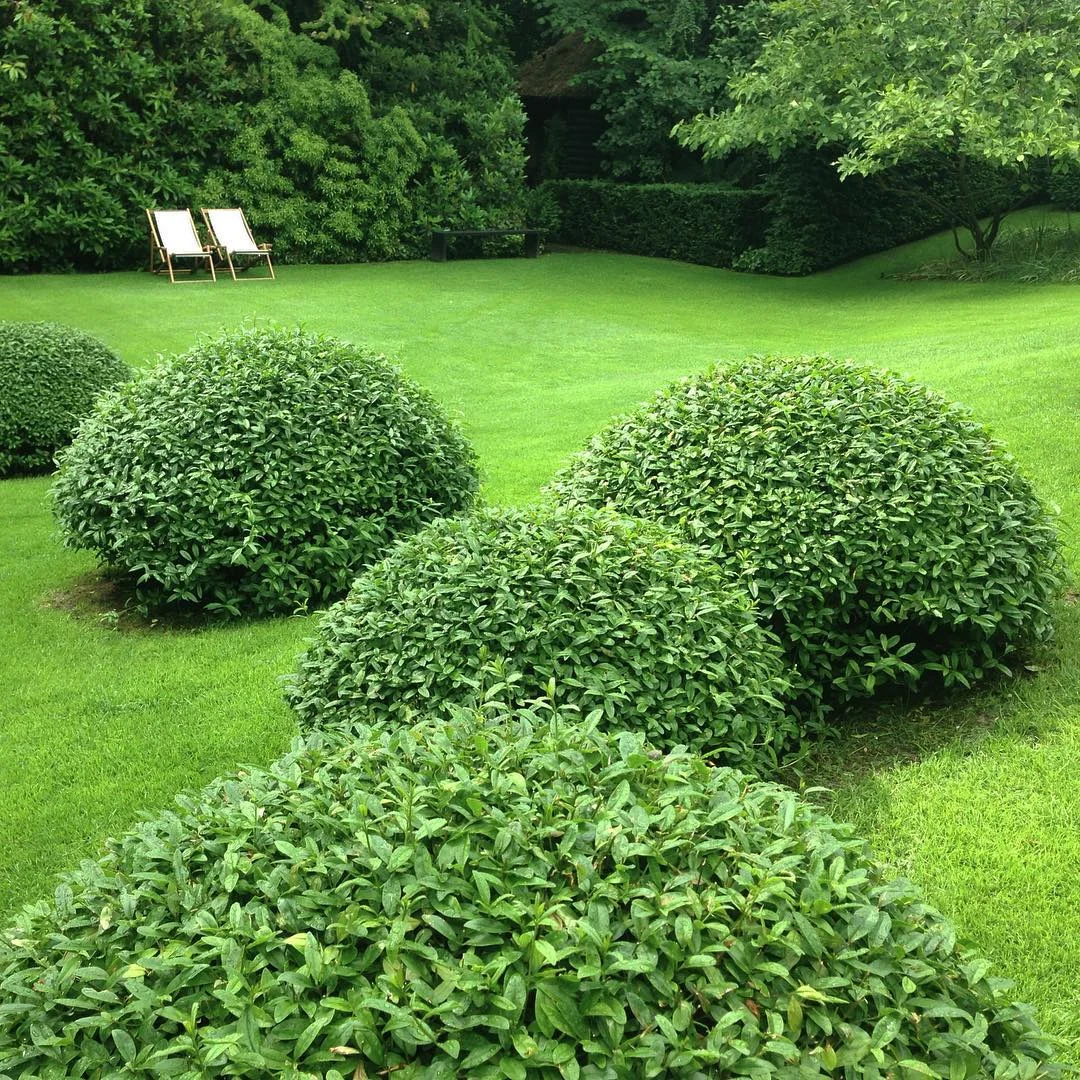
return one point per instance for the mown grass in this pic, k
(978, 798)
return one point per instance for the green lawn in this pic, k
(981, 805)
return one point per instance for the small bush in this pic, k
(618, 616)
(259, 471)
(49, 377)
(518, 899)
(699, 223)
(885, 537)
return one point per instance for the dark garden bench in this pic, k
(439, 238)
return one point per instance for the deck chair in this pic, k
(173, 236)
(232, 236)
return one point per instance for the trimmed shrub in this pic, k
(259, 472)
(601, 613)
(884, 535)
(518, 899)
(699, 223)
(49, 377)
(814, 220)
(1064, 187)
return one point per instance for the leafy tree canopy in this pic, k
(889, 81)
(661, 62)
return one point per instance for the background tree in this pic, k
(661, 62)
(888, 82)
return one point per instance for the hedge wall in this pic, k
(700, 223)
(801, 217)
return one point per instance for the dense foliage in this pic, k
(349, 147)
(403, 120)
(1064, 188)
(883, 534)
(316, 170)
(813, 220)
(658, 63)
(109, 106)
(595, 611)
(49, 377)
(452, 73)
(259, 471)
(892, 81)
(701, 223)
(519, 899)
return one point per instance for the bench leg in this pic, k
(438, 247)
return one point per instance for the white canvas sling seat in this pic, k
(173, 236)
(231, 234)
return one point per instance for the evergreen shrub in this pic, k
(519, 898)
(884, 535)
(813, 220)
(700, 223)
(50, 375)
(259, 471)
(599, 612)
(1064, 187)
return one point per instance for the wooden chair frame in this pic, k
(240, 243)
(161, 256)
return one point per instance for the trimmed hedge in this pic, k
(599, 612)
(814, 220)
(1064, 187)
(259, 471)
(50, 375)
(700, 223)
(800, 218)
(525, 898)
(883, 534)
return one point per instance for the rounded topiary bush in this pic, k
(884, 535)
(259, 471)
(50, 376)
(598, 611)
(523, 898)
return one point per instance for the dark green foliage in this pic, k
(259, 471)
(109, 106)
(701, 223)
(814, 220)
(448, 149)
(658, 63)
(523, 898)
(49, 377)
(1064, 187)
(593, 610)
(454, 77)
(885, 537)
(319, 173)
(112, 107)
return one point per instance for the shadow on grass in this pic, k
(108, 600)
(870, 742)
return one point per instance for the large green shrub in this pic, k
(1064, 187)
(700, 223)
(259, 471)
(110, 106)
(524, 898)
(813, 220)
(883, 534)
(321, 175)
(49, 377)
(616, 615)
